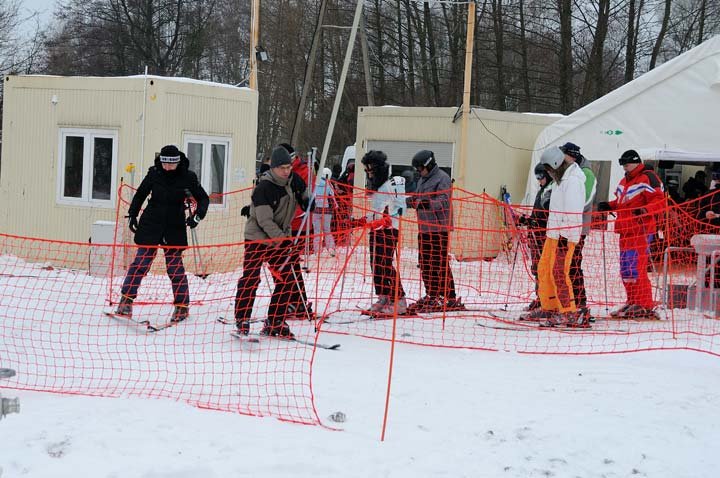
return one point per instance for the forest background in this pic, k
(529, 55)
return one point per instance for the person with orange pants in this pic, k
(639, 197)
(557, 301)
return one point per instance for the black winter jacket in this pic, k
(163, 220)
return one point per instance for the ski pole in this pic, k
(196, 253)
(512, 274)
(604, 270)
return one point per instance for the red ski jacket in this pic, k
(639, 189)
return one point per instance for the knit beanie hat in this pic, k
(279, 157)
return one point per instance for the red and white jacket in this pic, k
(640, 188)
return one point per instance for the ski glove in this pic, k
(133, 224)
(193, 221)
(604, 206)
(245, 211)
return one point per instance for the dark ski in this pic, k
(158, 328)
(126, 318)
(257, 338)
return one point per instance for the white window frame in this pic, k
(89, 136)
(207, 141)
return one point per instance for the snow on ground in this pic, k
(452, 413)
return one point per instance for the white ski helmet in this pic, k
(327, 173)
(553, 157)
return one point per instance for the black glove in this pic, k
(604, 206)
(193, 221)
(639, 211)
(133, 224)
(245, 211)
(523, 221)
(422, 204)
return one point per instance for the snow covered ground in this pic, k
(452, 413)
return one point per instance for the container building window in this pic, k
(209, 158)
(88, 166)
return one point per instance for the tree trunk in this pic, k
(631, 44)
(566, 58)
(497, 17)
(400, 50)
(661, 34)
(423, 53)
(593, 86)
(379, 45)
(453, 34)
(410, 53)
(524, 59)
(701, 23)
(435, 81)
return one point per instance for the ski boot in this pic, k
(280, 330)
(537, 315)
(454, 304)
(124, 308)
(179, 314)
(621, 312)
(426, 304)
(378, 306)
(579, 319)
(558, 319)
(243, 327)
(390, 308)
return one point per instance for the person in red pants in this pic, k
(639, 197)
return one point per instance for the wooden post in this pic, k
(470, 39)
(254, 40)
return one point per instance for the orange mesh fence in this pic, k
(390, 275)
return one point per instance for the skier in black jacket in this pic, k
(168, 183)
(536, 223)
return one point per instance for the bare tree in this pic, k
(661, 34)
(566, 57)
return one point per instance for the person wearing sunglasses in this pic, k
(536, 223)
(432, 203)
(639, 197)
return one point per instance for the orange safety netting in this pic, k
(478, 275)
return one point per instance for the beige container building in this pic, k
(68, 142)
(499, 146)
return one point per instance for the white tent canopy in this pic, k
(673, 108)
(678, 156)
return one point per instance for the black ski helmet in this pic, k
(377, 161)
(540, 171)
(425, 159)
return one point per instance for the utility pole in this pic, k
(341, 84)
(254, 41)
(469, 42)
(366, 64)
(309, 71)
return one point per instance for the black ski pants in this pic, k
(175, 271)
(281, 269)
(576, 274)
(435, 264)
(383, 244)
